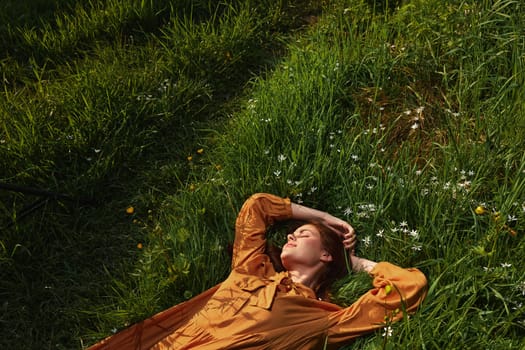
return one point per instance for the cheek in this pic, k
(313, 245)
(310, 250)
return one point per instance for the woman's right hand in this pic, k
(343, 228)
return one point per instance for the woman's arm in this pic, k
(362, 264)
(257, 213)
(344, 229)
(396, 292)
(262, 209)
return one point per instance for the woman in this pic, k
(259, 308)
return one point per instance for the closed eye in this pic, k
(304, 233)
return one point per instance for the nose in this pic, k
(291, 237)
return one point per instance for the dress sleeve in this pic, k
(257, 213)
(396, 291)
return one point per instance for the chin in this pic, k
(284, 261)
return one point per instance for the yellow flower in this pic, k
(388, 289)
(130, 210)
(189, 158)
(200, 151)
(480, 210)
(192, 187)
(140, 246)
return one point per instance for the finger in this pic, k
(350, 234)
(349, 237)
(349, 243)
(346, 229)
(350, 246)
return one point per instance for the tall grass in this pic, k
(111, 120)
(405, 118)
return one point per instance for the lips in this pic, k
(289, 245)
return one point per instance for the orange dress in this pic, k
(258, 308)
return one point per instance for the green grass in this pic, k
(401, 116)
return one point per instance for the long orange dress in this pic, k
(258, 308)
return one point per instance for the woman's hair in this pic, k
(337, 267)
(332, 243)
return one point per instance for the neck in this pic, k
(306, 276)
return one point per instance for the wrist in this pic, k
(361, 264)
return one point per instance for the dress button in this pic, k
(285, 285)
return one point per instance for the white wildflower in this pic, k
(312, 190)
(387, 331)
(414, 234)
(521, 288)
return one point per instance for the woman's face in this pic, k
(304, 248)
